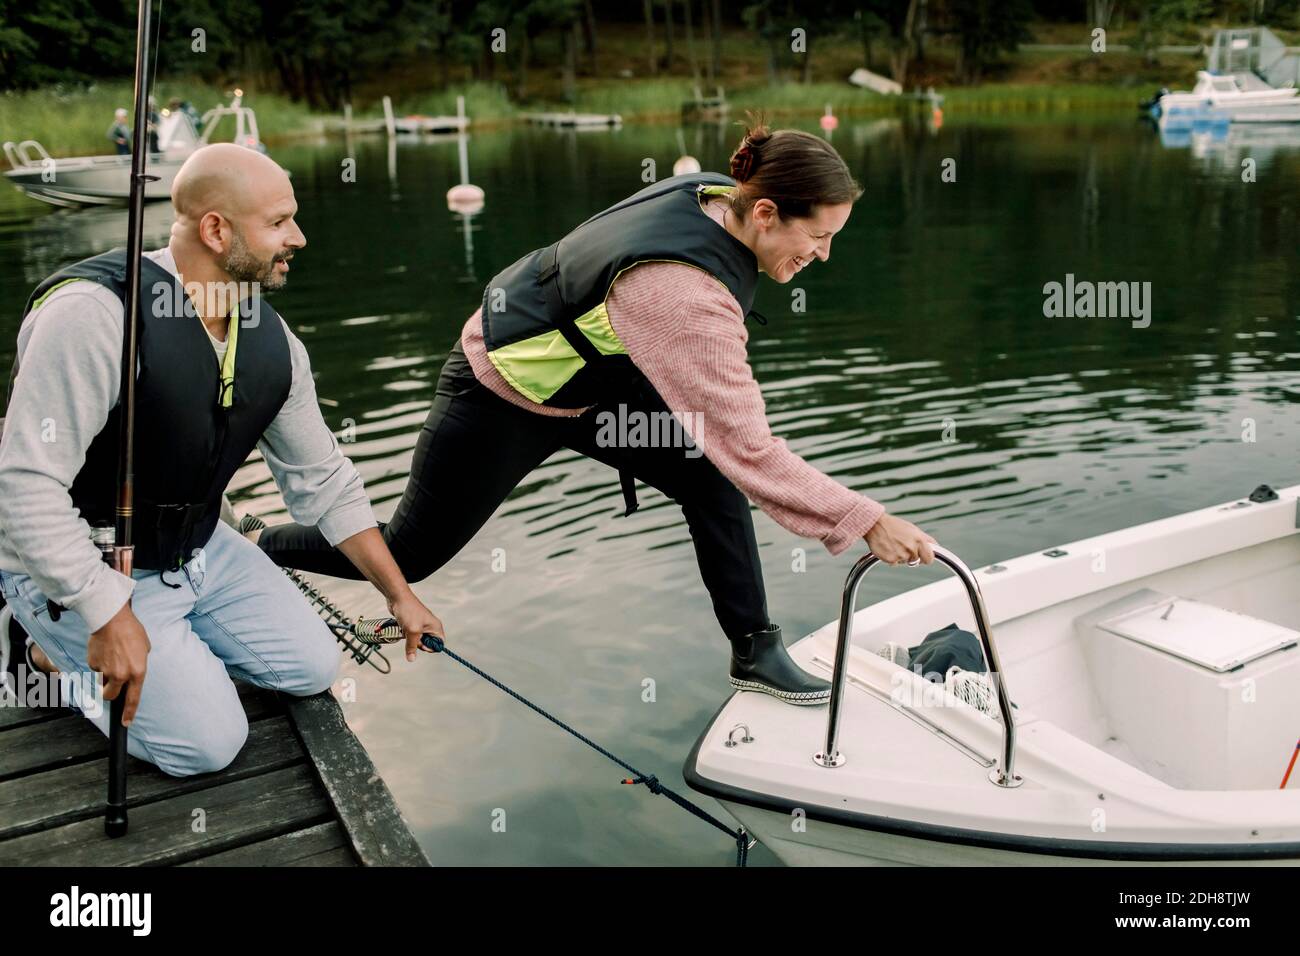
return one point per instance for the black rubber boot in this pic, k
(759, 661)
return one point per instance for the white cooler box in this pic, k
(1207, 699)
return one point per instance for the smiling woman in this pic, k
(640, 312)
(794, 194)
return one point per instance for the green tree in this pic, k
(1160, 20)
(57, 41)
(900, 19)
(984, 29)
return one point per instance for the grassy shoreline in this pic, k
(75, 122)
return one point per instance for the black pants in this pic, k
(475, 447)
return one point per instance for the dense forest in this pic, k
(317, 51)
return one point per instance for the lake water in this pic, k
(922, 371)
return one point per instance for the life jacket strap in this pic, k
(548, 277)
(628, 482)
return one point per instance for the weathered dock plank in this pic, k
(12, 715)
(301, 792)
(167, 831)
(379, 835)
(325, 844)
(43, 801)
(71, 739)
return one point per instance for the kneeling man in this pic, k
(219, 373)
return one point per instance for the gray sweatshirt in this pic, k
(70, 352)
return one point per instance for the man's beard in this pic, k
(243, 266)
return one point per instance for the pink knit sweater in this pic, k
(686, 333)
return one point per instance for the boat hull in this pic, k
(821, 843)
(101, 181)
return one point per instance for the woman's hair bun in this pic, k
(743, 161)
(795, 170)
(749, 154)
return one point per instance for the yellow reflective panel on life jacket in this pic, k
(537, 367)
(596, 327)
(228, 363)
(540, 366)
(52, 289)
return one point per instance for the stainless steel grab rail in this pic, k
(1003, 774)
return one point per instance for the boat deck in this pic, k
(302, 792)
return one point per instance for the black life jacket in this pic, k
(187, 444)
(544, 321)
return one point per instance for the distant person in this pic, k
(178, 105)
(188, 108)
(641, 311)
(202, 605)
(120, 133)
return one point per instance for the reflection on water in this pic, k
(922, 372)
(65, 235)
(1229, 144)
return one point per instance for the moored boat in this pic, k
(1240, 97)
(106, 180)
(1152, 680)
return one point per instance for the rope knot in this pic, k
(433, 642)
(651, 783)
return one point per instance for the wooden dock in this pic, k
(402, 125)
(574, 120)
(392, 124)
(302, 792)
(706, 108)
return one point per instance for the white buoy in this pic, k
(464, 198)
(686, 164)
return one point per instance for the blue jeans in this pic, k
(233, 614)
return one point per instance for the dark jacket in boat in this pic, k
(191, 432)
(947, 647)
(545, 325)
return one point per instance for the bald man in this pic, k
(219, 374)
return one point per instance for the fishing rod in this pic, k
(379, 631)
(123, 549)
(364, 638)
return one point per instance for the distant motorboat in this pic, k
(106, 180)
(1235, 97)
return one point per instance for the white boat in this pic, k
(874, 82)
(106, 180)
(1154, 678)
(1236, 97)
